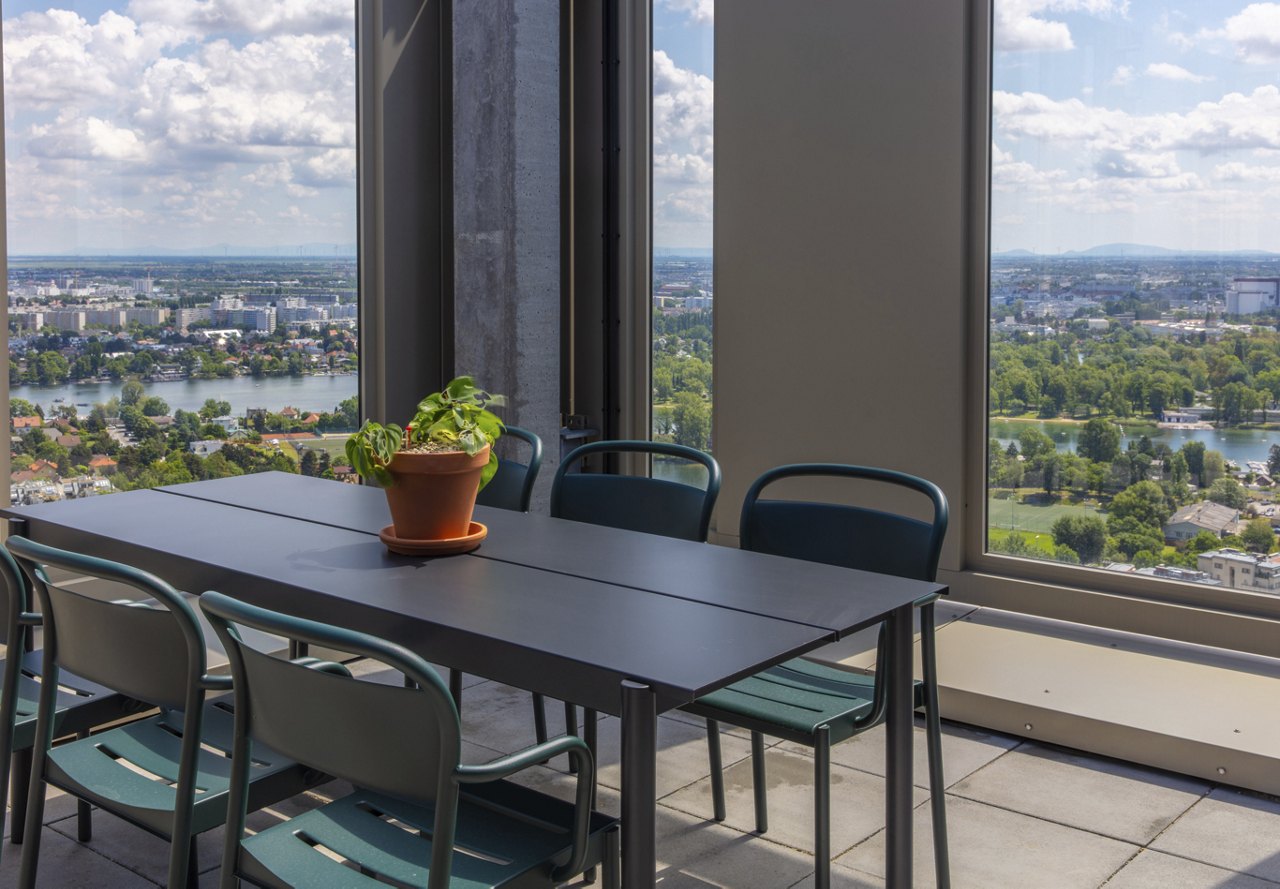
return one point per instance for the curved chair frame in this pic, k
(525, 492)
(862, 714)
(88, 706)
(170, 624)
(711, 492)
(428, 691)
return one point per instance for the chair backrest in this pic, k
(16, 603)
(637, 503)
(512, 485)
(405, 742)
(848, 536)
(149, 646)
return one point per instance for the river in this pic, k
(306, 393)
(1237, 445)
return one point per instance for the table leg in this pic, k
(639, 786)
(898, 741)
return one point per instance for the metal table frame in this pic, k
(281, 501)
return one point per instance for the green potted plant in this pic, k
(433, 468)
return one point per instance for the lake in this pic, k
(1237, 445)
(308, 393)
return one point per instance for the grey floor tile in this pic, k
(992, 847)
(1155, 870)
(1117, 799)
(857, 801)
(500, 717)
(682, 754)
(845, 878)
(964, 751)
(1229, 829)
(698, 854)
(66, 864)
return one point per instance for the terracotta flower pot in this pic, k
(434, 494)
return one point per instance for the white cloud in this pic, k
(1022, 25)
(683, 105)
(687, 205)
(1123, 75)
(1238, 172)
(700, 12)
(1137, 164)
(1236, 121)
(691, 168)
(1254, 31)
(254, 17)
(1167, 71)
(84, 139)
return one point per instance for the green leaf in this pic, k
(491, 469)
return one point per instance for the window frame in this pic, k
(1194, 613)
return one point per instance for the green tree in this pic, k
(1086, 536)
(20, 407)
(1178, 472)
(1215, 467)
(1258, 536)
(1228, 492)
(1100, 441)
(1140, 506)
(131, 393)
(214, 408)
(692, 419)
(154, 406)
(1194, 452)
(51, 369)
(1034, 443)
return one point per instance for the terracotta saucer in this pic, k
(444, 547)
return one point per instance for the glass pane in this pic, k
(181, 224)
(683, 289)
(1135, 262)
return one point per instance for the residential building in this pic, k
(1242, 571)
(1204, 515)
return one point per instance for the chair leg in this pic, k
(571, 728)
(591, 734)
(933, 739)
(20, 785)
(717, 770)
(455, 688)
(758, 782)
(34, 818)
(539, 717)
(612, 864)
(822, 809)
(193, 864)
(84, 811)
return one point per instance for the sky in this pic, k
(1136, 121)
(683, 112)
(179, 124)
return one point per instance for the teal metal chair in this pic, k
(633, 502)
(79, 705)
(418, 817)
(168, 774)
(812, 704)
(512, 486)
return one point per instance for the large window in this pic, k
(181, 241)
(1135, 288)
(683, 289)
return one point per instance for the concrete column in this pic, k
(507, 211)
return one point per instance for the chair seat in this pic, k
(132, 770)
(81, 704)
(507, 836)
(793, 699)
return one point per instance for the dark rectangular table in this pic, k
(626, 623)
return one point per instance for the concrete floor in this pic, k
(1021, 815)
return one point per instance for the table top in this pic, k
(839, 600)
(539, 606)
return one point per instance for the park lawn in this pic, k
(1041, 542)
(335, 445)
(1018, 516)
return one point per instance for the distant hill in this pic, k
(1127, 250)
(285, 251)
(682, 251)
